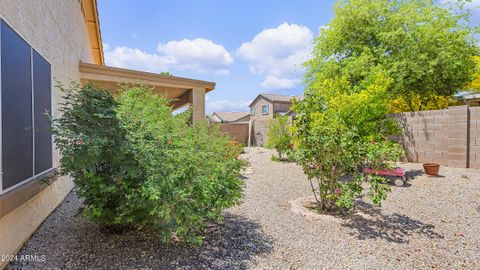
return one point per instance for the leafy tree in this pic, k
(134, 163)
(279, 135)
(475, 83)
(338, 133)
(419, 103)
(424, 47)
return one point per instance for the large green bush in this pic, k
(135, 163)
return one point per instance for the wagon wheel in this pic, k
(399, 181)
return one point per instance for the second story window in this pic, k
(265, 109)
(252, 111)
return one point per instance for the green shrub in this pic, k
(135, 163)
(279, 135)
(337, 134)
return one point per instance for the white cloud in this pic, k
(226, 105)
(199, 55)
(132, 58)
(278, 52)
(272, 82)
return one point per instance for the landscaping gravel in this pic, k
(430, 223)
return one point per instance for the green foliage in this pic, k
(134, 163)
(475, 83)
(279, 135)
(166, 73)
(338, 133)
(424, 47)
(417, 102)
(374, 53)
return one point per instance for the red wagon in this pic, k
(397, 174)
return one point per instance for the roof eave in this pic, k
(90, 12)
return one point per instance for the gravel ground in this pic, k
(431, 223)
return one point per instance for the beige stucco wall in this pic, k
(281, 107)
(260, 121)
(57, 30)
(258, 110)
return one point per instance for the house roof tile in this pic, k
(231, 116)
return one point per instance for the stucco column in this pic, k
(198, 105)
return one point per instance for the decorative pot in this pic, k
(431, 168)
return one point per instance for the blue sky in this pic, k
(246, 47)
(203, 40)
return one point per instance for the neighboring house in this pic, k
(42, 42)
(234, 124)
(263, 108)
(229, 117)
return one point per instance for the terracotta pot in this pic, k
(431, 168)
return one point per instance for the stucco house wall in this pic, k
(257, 105)
(259, 121)
(58, 31)
(281, 107)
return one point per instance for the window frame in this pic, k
(267, 111)
(41, 174)
(252, 111)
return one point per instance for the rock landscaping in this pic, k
(430, 223)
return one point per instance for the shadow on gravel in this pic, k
(412, 174)
(230, 245)
(72, 242)
(367, 222)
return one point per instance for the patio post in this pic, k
(198, 104)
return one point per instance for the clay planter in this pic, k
(431, 169)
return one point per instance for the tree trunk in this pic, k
(320, 193)
(314, 192)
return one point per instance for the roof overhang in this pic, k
(267, 99)
(90, 12)
(112, 78)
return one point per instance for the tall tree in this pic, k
(426, 48)
(474, 85)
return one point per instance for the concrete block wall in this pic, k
(474, 137)
(447, 137)
(238, 132)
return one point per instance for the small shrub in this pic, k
(279, 135)
(135, 163)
